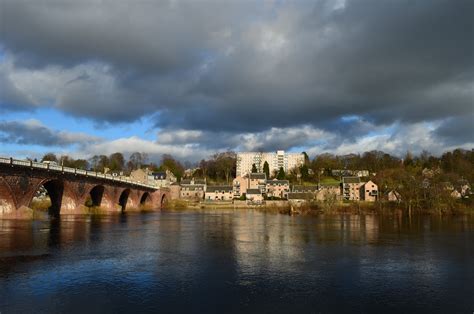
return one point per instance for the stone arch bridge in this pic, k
(69, 189)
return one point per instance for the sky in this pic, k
(192, 78)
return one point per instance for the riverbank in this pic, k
(318, 207)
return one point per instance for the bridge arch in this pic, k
(123, 199)
(55, 189)
(95, 196)
(146, 199)
(163, 201)
(7, 198)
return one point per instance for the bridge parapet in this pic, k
(48, 166)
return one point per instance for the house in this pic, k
(175, 191)
(326, 192)
(430, 173)
(249, 181)
(254, 196)
(347, 173)
(239, 186)
(464, 188)
(219, 193)
(360, 173)
(369, 191)
(192, 189)
(257, 181)
(163, 178)
(394, 196)
(305, 189)
(300, 197)
(351, 188)
(142, 176)
(456, 194)
(355, 190)
(277, 188)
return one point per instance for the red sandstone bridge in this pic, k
(70, 188)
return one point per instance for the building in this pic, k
(277, 188)
(346, 173)
(355, 190)
(305, 188)
(163, 178)
(369, 192)
(142, 176)
(327, 192)
(239, 186)
(351, 188)
(175, 191)
(257, 181)
(193, 189)
(219, 193)
(249, 181)
(394, 196)
(254, 196)
(275, 160)
(300, 197)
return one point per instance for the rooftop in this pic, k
(258, 176)
(350, 180)
(218, 188)
(278, 182)
(305, 188)
(300, 196)
(254, 191)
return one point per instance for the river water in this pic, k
(237, 261)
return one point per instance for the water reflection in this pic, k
(225, 261)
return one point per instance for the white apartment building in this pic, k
(275, 160)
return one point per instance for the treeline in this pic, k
(458, 162)
(115, 162)
(219, 168)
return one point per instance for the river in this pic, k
(225, 261)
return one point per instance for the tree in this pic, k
(304, 171)
(171, 164)
(254, 168)
(136, 160)
(266, 169)
(306, 158)
(225, 164)
(408, 160)
(81, 164)
(49, 157)
(281, 174)
(66, 161)
(116, 162)
(203, 166)
(99, 163)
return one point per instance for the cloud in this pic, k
(33, 132)
(243, 75)
(457, 130)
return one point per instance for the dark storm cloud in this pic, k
(232, 67)
(11, 98)
(457, 130)
(32, 132)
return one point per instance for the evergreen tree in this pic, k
(281, 174)
(266, 169)
(304, 170)
(254, 168)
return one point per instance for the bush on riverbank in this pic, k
(40, 204)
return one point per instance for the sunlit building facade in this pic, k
(275, 160)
